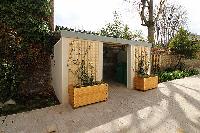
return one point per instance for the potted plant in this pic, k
(87, 91)
(144, 81)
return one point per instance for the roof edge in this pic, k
(78, 35)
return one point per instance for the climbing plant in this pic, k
(83, 63)
(9, 69)
(25, 38)
(29, 18)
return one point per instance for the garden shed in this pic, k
(79, 55)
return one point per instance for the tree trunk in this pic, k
(150, 25)
(179, 61)
(151, 31)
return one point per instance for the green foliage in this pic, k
(143, 67)
(143, 63)
(119, 30)
(9, 69)
(59, 28)
(182, 44)
(84, 76)
(168, 75)
(29, 103)
(29, 18)
(24, 37)
(9, 82)
(116, 29)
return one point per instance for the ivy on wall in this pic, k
(25, 38)
(29, 18)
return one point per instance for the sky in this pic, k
(94, 14)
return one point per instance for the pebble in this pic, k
(52, 128)
(1, 105)
(10, 102)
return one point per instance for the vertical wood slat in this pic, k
(139, 53)
(82, 52)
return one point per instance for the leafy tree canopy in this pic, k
(117, 29)
(29, 18)
(184, 44)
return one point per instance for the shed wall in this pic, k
(130, 65)
(56, 70)
(69, 52)
(91, 52)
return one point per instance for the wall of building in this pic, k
(130, 66)
(63, 68)
(56, 69)
(69, 52)
(89, 51)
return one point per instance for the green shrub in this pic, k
(184, 45)
(9, 82)
(9, 69)
(24, 35)
(171, 74)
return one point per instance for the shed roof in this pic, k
(78, 35)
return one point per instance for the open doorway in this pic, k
(115, 63)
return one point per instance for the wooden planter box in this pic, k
(143, 84)
(87, 95)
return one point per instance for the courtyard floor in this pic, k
(172, 108)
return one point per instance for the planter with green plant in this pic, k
(144, 81)
(86, 90)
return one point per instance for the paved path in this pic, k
(173, 107)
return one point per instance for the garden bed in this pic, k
(28, 103)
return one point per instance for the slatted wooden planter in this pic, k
(87, 95)
(146, 83)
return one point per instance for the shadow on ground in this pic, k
(173, 107)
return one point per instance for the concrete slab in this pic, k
(173, 107)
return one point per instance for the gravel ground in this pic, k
(172, 108)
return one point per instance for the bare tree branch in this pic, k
(161, 7)
(142, 12)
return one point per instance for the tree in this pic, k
(183, 45)
(119, 30)
(149, 15)
(169, 22)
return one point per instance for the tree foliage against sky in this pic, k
(148, 14)
(169, 22)
(162, 20)
(183, 44)
(118, 29)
